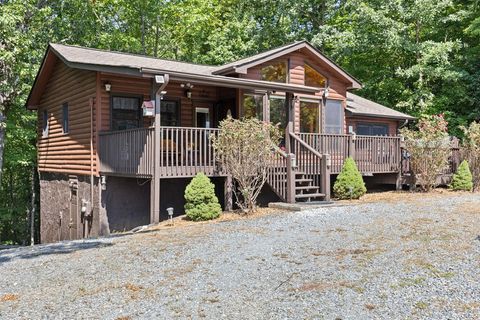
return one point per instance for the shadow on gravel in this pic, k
(42, 250)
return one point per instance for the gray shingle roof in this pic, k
(364, 107)
(97, 57)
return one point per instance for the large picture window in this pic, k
(253, 106)
(313, 78)
(309, 117)
(275, 72)
(278, 112)
(169, 113)
(125, 112)
(334, 117)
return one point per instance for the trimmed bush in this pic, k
(462, 180)
(349, 183)
(201, 203)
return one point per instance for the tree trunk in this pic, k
(32, 208)
(2, 144)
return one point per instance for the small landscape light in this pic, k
(170, 214)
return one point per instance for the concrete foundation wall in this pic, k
(60, 207)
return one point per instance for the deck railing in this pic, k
(183, 152)
(127, 152)
(187, 151)
(280, 173)
(373, 154)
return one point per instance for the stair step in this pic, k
(306, 187)
(309, 195)
(303, 180)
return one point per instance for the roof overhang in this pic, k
(230, 82)
(373, 115)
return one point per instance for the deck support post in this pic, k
(351, 145)
(155, 209)
(325, 176)
(290, 179)
(228, 193)
(398, 181)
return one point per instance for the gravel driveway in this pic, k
(405, 257)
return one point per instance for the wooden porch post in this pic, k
(290, 179)
(325, 176)
(290, 120)
(155, 197)
(351, 145)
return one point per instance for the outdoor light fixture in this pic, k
(188, 92)
(170, 214)
(160, 79)
(108, 87)
(326, 92)
(103, 182)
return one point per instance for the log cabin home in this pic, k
(121, 135)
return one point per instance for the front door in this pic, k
(202, 117)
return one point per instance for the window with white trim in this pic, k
(334, 117)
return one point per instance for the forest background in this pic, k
(417, 56)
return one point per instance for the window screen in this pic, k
(334, 117)
(372, 129)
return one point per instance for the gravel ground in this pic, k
(404, 257)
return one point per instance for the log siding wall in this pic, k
(67, 152)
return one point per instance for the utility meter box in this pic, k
(148, 108)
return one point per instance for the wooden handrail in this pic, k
(306, 145)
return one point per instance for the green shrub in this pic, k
(349, 183)
(201, 203)
(462, 179)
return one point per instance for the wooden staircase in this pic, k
(306, 190)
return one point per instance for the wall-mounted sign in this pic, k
(148, 108)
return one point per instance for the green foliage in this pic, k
(471, 151)
(201, 203)
(462, 179)
(418, 56)
(349, 183)
(429, 148)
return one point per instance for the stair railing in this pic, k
(310, 162)
(281, 177)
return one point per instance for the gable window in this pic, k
(253, 106)
(313, 78)
(169, 113)
(334, 117)
(372, 129)
(125, 112)
(45, 124)
(65, 117)
(275, 72)
(310, 116)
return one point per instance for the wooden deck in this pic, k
(187, 151)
